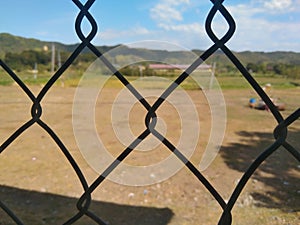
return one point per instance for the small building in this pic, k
(174, 67)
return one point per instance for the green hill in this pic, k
(277, 57)
(15, 44)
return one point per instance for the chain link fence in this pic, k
(83, 205)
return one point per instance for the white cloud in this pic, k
(192, 27)
(168, 15)
(168, 11)
(258, 29)
(260, 34)
(255, 30)
(257, 26)
(140, 30)
(172, 3)
(243, 10)
(278, 4)
(110, 35)
(275, 6)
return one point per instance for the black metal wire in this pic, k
(83, 204)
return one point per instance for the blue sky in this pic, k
(262, 25)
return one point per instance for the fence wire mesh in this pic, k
(83, 205)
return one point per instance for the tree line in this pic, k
(27, 59)
(288, 70)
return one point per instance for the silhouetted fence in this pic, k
(83, 204)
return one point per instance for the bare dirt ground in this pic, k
(40, 186)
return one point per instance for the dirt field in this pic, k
(40, 186)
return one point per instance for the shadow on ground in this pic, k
(276, 183)
(35, 208)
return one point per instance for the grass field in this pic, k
(39, 185)
(72, 78)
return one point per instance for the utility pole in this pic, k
(141, 70)
(58, 59)
(212, 76)
(53, 58)
(35, 71)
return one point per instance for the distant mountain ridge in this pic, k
(16, 44)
